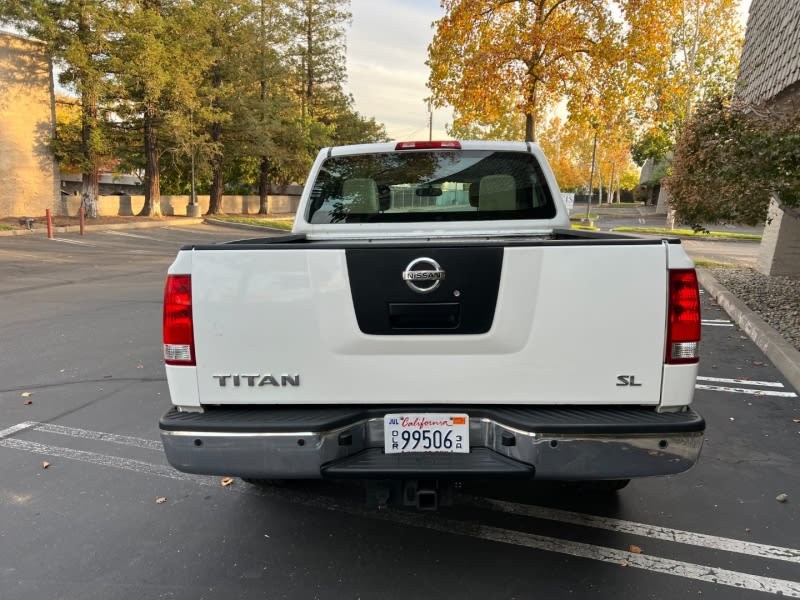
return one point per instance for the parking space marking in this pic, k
(127, 464)
(775, 384)
(789, 589)
(751, 391)
(716, 322)
(124, 440)
(9, 431)
(527, 510)
(668, 534)
(135, 236)
(76, 242)
(651, 563)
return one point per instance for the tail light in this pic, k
(178, 327)
(683, 325)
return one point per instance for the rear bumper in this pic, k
(568, 443)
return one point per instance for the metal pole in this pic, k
(49, 224)
(193, 199)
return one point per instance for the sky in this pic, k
(387, 45)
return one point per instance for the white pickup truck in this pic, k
(432, 318)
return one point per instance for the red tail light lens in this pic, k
(451, 144)
(178, 327)
(683, 327)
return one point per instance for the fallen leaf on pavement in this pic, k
(623, 563)
(28, 402)
(45, 464)
(635, 549)
(758, 363)
(226, 481)
(795, 420)
(782, 498)
(140, 366)
(25, 394)
(161, 500)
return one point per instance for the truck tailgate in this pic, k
(523, 324)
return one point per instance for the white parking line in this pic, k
(774, 384)
(716, 324)
(76, 242)
(132, 235)
(533, 511)
(94, 458)
(9, 431)
(631, 527)
(790, 589)
(124, 440)
(751, 391)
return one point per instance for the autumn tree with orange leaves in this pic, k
(487, 55)
(682, 52)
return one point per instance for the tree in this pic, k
(731, 160)
(75, 33)
(351, 127)
(319, 52)
(509, 124)
(569, 151)
(682, 51)
(487, 53)
(228, 31)
(157, 69)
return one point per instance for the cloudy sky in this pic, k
(387, 46)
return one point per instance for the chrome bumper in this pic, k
(497, 450)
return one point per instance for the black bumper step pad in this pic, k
(480, 463)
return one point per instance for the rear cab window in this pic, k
(430, 185)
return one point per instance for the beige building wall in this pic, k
(127, 206)
(29, 181)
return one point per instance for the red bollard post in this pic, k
(80, 216)
(49, 224)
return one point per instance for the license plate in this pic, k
(425, 432)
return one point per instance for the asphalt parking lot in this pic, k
(82, 387)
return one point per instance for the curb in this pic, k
(109, 226)
(781, 353)
(221, 223)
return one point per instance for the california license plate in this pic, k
(425, 432)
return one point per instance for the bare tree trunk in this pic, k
(218, 160)
(599, 185)
(215, 200)
(152, 186)
(263, 187)
(591, 178)
(90, 187)
(610, 193)
(530, 128)
(90, 179)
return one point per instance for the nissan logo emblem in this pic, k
(423, 275)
